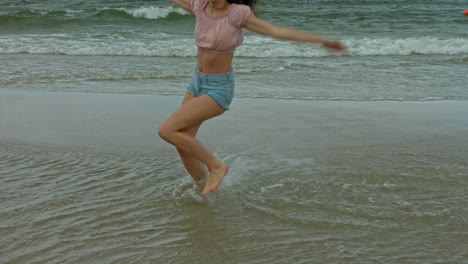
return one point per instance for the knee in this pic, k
(164, 132)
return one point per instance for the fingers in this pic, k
(334, 44)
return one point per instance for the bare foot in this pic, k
(215, 178)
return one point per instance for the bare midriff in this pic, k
(214, 63)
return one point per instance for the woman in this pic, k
(218, 31)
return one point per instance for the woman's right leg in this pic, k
(174, 130)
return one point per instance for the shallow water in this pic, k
(354, 182)
(355, 205)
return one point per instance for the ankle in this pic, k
(219, 166)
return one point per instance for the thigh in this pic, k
(193, 129)
(192, 112)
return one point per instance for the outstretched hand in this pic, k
(334, 44)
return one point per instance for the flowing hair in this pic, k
(250, 3)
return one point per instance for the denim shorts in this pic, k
(220, 87)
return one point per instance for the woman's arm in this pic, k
(184, 4)
(260, 26)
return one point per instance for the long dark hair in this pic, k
(250, 3)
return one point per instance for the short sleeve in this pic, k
(191, 5)
(241, 13)
(196, 5)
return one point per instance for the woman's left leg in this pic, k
(194, 167)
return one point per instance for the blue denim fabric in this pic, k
(220, 87)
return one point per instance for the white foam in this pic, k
(263, 47)
(153, 12)
(407, 46)
(254, 46)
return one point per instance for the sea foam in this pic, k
(153, 12)
(254, 46)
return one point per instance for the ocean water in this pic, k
(342, 185)
(398, 50)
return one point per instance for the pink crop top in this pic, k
(221, 34)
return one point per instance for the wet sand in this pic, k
(130, 122)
